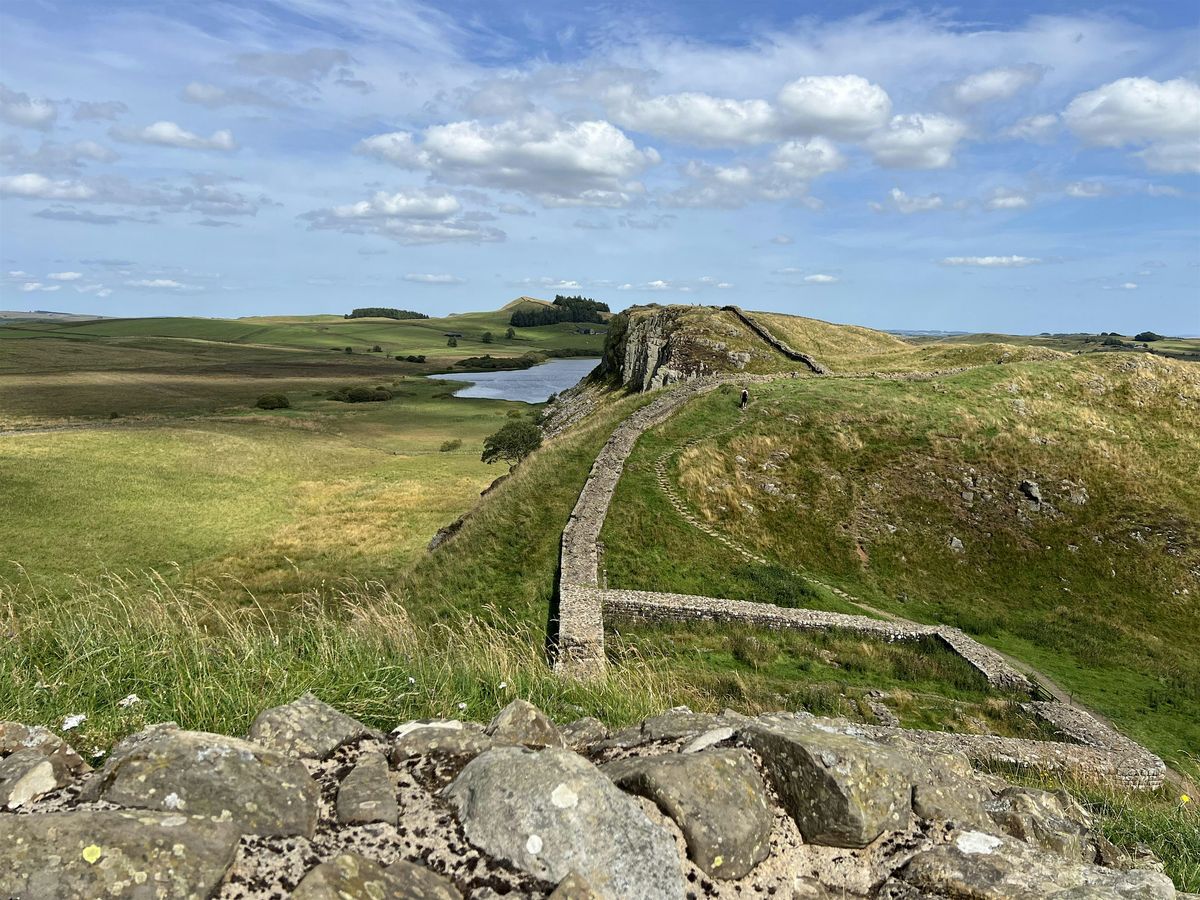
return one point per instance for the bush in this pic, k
(487, 337)
(510, 333)
(376, 349)
(447, 446)
(361, 395)
(452, 342)
(273, 401)
(512, 443)
(414, 359)
(349, 349)
(1147, 336)
(114, 415)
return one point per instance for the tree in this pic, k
(510, 333)
(1148, 336)
(376, 349)
(452, 342)
(487, 337)
(512, 443)
(384, 312)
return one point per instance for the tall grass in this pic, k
(193, 657)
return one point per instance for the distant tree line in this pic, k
(564, 309)
(383, 312)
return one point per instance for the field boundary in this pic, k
(1098, 754)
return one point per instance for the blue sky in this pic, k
(989, 166)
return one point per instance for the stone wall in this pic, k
(1100, 754)
(775, 342)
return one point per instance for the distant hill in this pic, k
(524, 301)
(45, 315)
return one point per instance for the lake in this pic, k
(532, 385)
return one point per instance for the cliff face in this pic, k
(648, 347)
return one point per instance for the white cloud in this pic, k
(403, 204)
(31, 286)
(168, 134)
(425, 278)
(65, 276)
(839, 106)
(40, 187)
(1003, 198)
(996, 84)
(904, 203)
(1129, 286)
(1086, 190)
(820, 279)
(694, 117)
(1033, 128)
(1162, 117)
(590, 163)
(917, 141)
(991, 262)
(1163, 190)
(785, 175)
(164, 284)
(17, 108)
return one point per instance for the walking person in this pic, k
(745, 398)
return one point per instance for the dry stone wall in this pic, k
(775, 342)
(1099, 753)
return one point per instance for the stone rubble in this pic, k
(681, 805)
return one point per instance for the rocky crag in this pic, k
(313, 804)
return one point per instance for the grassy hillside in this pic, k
(871, 485)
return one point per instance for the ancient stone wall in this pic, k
(775, 342)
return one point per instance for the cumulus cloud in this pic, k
(1003, 199)
(904, 203)
(917, 141)
(409, 217)
(838, 106)
(425, 278)
(18, 108)
(39, 187)
(995, 84)
(784, 175)
(820, 278)
(589, 163)
(1161, 117)
(168, 134)
(694, 117)
(51, 156)
(65, 276)
(991, 262)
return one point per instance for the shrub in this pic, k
(487, 337)
(114, 415)
(376, 349)
(452, 342)
(447, 446)
(414, 359)
(510, 333)
(273, 401)
(349, 349)
(512, 443)
(361, 395)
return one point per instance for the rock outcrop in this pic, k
(683, 804)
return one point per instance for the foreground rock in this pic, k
(192, 772)
(989, 867)
(112, 853)
(716, 798)
(306, 727)
(684, 804)
(842, 791)
(354, 877)
(552, 813)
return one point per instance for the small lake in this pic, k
(532, 385)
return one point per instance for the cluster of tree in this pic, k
(416, 358)
(487, 361)
(273, 401)
(563, 309)
(383, 312)
(361, 395)
(1148, 336)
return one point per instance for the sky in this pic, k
(991, 166)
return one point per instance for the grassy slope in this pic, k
(1074, 592)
